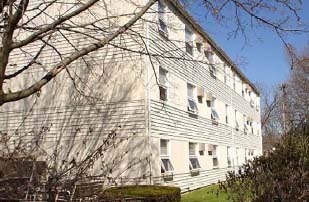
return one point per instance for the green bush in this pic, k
(281, 176)
(141, 193)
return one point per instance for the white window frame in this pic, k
(163, 86)
(193, 110)
(226, 113)
(236, 121)
(251, 102)
(226, 74)
(193, 157)
(162, 24)
(214, 155)
(245, 124)
(251, 153)
(228, 154)
(166, 157)
(189, 40)
(234, 81)
(199, 47)
(214, 114)
(246, 155)
(237, 157)
(210, 56)
(213, 71)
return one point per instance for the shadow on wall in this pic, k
(87, 124)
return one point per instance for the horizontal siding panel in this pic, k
(170, 121)
(182, 65)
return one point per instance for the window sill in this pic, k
(168, 176)
(163, 34)
(214, 122)
(213, 76)
(195, 172)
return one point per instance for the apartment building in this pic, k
(180, 114)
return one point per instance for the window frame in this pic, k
(229, 159)
(166, 157)
(199, 46)
(163, 87)
(237, 157)
(225, 74)
(234, 81)
(214, 114)
(213, 71)
(189, 40)
(236, 121)
(193, 99)
(161, 19)
(214, 155)
(210, 56)
(226, 114)
(194, 157)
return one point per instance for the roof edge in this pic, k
(201, 30)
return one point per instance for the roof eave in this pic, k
(191, 20)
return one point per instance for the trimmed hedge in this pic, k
(141, 193)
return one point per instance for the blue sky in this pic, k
(263, 58)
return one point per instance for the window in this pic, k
(200, 94)
(210, 56)
(251, 103)
(229, 159)
(163, 83)
(193, 160)
(242, 90)
(202, 149)
(189, 40)
(166, 164)
(199, 47)
(236, 122)
(214, 115)
(225, 74)
(246, 158)
(237, 153)
(226, 114)
(251, 153)
(162, 20)
(234, 81)
(192, 107)
(212, 151)
(245, 124)
(212, 70)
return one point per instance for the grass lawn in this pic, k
(207, 194)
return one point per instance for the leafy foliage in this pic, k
(282, 175)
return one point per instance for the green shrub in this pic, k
(282, 176)
(141, 193)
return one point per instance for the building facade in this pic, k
(177, 110)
